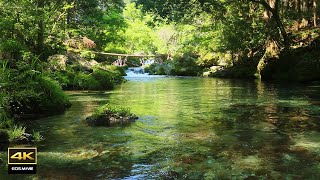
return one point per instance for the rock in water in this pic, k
(108, 116)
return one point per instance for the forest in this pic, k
(48, 48)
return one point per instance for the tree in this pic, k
(273, 7)
(315, 7)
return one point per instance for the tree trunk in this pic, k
(315, 13)
(282, 29)
(298, 6)
(305, 6)
(273, 7)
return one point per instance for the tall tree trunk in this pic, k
(273, 7)
(298, 6)
(315, 12)
(282, 30)
(305, 6)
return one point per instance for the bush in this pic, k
(16, 133)
(11, 49)
(5, 121)
(117, 70)
(105, 78)
(185, 65)
(108, 115)
(39, 95)
(4, 136)
(51, 94)
(101, 78)
(180, 66)
(37, 137)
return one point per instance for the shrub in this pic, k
(104, 77)
(16, 133)
(185, 65)
(11, 49)
(51, 94)
(37, 96)
(37, 137)
(108, 115)
(4, 136)
(117, 70)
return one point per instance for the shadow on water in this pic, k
(189, 128)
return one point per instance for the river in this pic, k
(188, 128)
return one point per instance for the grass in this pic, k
(37, 137)
(112, 109)
(110, 115)
(16, 133)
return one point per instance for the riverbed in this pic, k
(188, 128)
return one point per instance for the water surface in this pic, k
(188, 128)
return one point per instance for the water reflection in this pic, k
(190, 128)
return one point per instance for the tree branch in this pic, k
(265, 4)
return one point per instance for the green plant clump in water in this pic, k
(37, 137)
(16, 133)
(109, 115)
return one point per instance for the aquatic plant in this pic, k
(109, 115)
(37, 137)
(16, 133)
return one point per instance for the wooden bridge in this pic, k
(122, 58)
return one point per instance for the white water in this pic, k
(136, 72)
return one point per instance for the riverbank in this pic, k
(300, 63)
(31, 89)
(271, 62)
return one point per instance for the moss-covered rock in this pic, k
(108, 115)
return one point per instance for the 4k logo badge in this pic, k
(22, 160)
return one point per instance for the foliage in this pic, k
(101, 78)
(139, 35)
(16, 133)
(112, 109)
(4, 136)
(37, 137)
(109, 115)
(180, 66)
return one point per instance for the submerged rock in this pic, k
(108, 115)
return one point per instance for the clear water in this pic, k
(189, 128)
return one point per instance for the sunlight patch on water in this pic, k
(309, 141)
